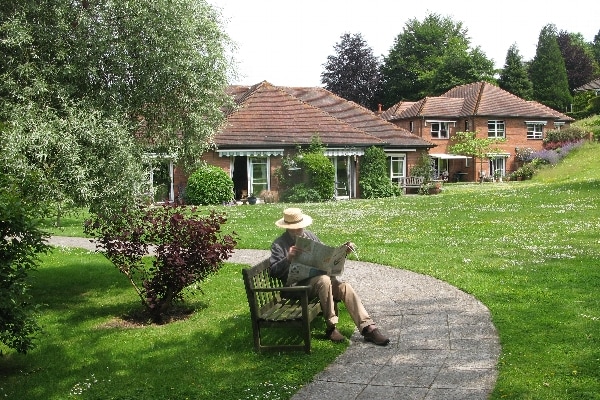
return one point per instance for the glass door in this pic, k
(258, 177)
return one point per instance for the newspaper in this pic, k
(314, 258)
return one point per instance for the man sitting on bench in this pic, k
(328, 289)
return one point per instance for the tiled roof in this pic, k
(593, 85)
(357, 116)
(268, 115)
(475, 99)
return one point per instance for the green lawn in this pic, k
(528, 250)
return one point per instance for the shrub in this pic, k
(319, 173)
(423, 167)
(558, 138)
(374, 180)
(209, 185)
(525, 172)
(20, 242)
(188, 248)
(307, 177)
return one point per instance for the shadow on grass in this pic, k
(209, 355)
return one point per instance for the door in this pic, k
(258, 177)
(343, 173)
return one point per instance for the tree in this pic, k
(429, 58)
(353, 72)
(548, 72)
(147, 74)
(579, 60)
(20, 242)
(188, 248)
(85, 89)
(468, 144)
(513, 77)
(596, 48)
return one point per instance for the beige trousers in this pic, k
(329, 290)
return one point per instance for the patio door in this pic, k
(498, 166)
(343, 173)
(258, 175)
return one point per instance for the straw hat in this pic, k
(293, 218)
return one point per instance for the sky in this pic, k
(287, 42)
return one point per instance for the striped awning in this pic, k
(250, 152)
(347, 151)
(444, 156)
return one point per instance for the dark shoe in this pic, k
(376, 337)
(334, 335)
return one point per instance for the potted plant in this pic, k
(498, 175)
(434, 187)
(252, 199)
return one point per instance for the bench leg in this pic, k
(306, 335)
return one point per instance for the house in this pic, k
(270, 122)
(482, 108)
(590, 86)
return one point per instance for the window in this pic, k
(259, 174)
(396, 168)
(495, 129)
(439, 130)
(411, 126)
(535, 130)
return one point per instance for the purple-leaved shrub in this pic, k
(188, 248)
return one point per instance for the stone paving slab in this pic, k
(443, 343)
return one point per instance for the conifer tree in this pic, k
(513, 77)
(548, 72)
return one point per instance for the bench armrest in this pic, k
(284, 288)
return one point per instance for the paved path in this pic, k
(443, 343)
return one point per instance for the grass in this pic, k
(528, 250)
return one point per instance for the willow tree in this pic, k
(86, 87)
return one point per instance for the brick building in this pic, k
(482, 108)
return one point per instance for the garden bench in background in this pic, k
(268, 308)
(410, 182)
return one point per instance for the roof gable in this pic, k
(475, 99)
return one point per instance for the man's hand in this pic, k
(292, 253)
(350, 247)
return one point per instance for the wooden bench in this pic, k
(268, 308)
(414, 182)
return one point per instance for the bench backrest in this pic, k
(258, 277)
(411, 180)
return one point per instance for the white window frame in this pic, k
(400, 161)
(498, 163)
(496, 128)
(442, 131)
(535, 129)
